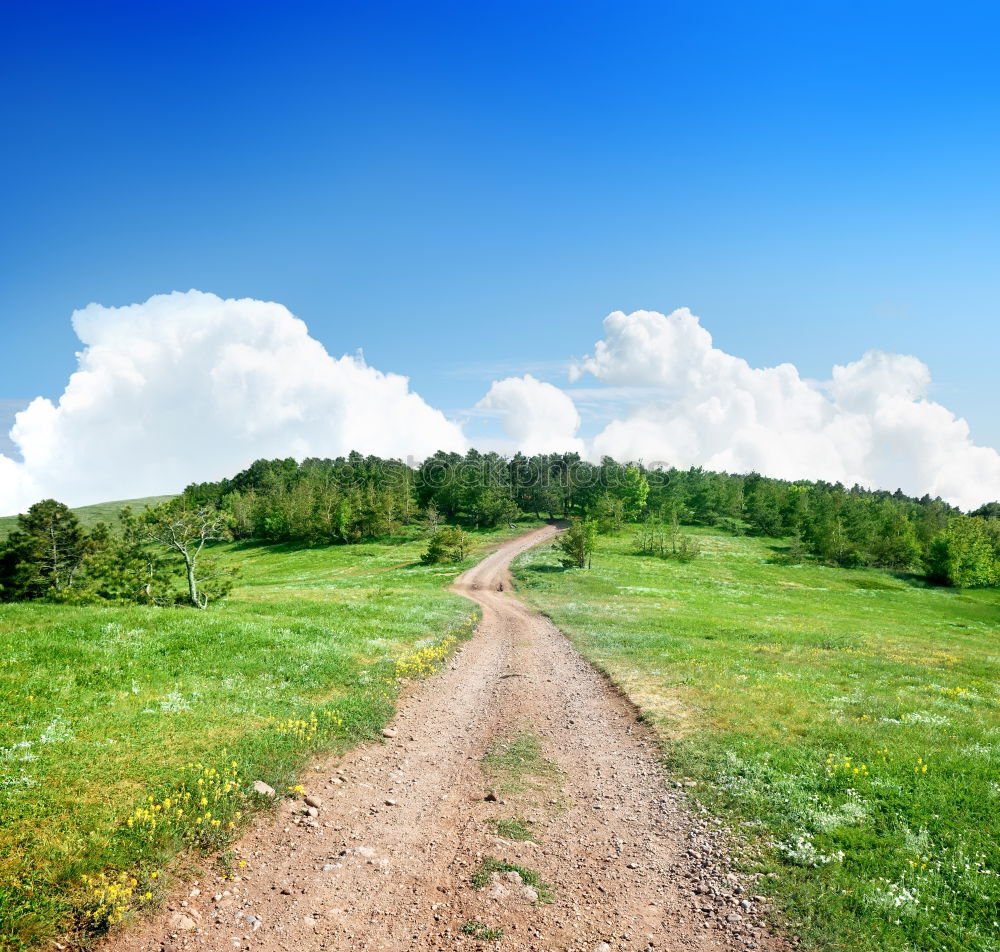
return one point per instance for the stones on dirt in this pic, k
(179, 922)
(491, 797)
(311, 800)
(365, 851)
(389, 732)
(264, 789)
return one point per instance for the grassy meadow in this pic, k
(128, 734)
(846, 723)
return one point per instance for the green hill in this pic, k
(91, 515)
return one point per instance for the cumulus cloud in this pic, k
(188, 387)
(537, 416)
(872, 423)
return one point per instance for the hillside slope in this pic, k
(89, 516)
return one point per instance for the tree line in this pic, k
(163, 555)
(156, 557)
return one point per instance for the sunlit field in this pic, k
(130, 733)
(846, 723)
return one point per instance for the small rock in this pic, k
(602, 947)
(512, 876)
(389, 732)
(255, 923)
(312, 811)
(529, 894)
(264, 789)
(178, 922)
(490, 797)
(286, 891)
(313, 801)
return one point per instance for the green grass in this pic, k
(809, 700)
(511, 828)
(514, 764)
(102, 707)
(482, 876)
(89, 516)
(479, 930)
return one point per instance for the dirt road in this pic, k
(403, 826)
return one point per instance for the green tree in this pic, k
(893, 542)
(609, 512)
(184, 532)
(447, 544)
(577, 543)
(492, 507)
(963, 555)
(634, 491)
(43, 556)
(124, 566)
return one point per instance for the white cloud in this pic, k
(538, 416)
(872, 423)
(188, 387)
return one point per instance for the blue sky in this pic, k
(464, 190)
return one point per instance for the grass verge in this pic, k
(129, 735)
(846, 722)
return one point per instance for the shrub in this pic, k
(449, 544)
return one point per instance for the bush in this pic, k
(449, 544)
(577, 544)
